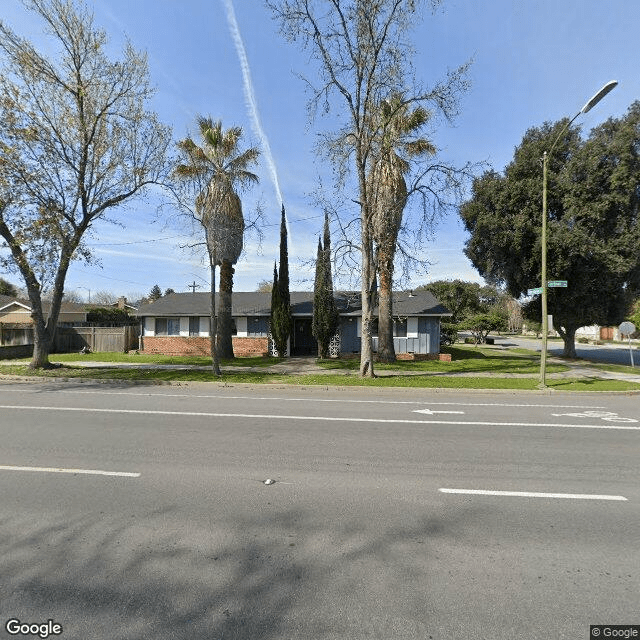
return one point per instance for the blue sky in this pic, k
(533, 61)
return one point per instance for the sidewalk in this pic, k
(307, 366)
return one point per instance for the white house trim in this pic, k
(241, 327)
(15, 303)
(412, 327)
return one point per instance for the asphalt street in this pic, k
(608, 353)
(135, 512)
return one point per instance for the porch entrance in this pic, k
(303, 342)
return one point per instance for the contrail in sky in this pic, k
(250, 95)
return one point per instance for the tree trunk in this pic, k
(225, 321)
(368, 278)
(213, 323)
(41, 345)
(568, 336)
(386, 350)
(44, 330)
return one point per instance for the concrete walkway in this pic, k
(308, 366)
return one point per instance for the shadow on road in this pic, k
(274, 576)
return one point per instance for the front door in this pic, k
(304, 344)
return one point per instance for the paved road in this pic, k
(606, 353)
(356, 539)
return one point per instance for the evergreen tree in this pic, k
(279, 344)
(593, 232)
(155, 293)
(7, 289)
(325, 313)
(281, 320)
(283, 277)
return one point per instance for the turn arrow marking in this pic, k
(430, 412)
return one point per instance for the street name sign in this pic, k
(557, 283)
(533, 292)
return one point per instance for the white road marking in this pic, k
(431, 411)
(609, 416)
(533, 494)
(332, 400)
(92, 472)
(258, 416)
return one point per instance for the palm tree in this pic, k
(398, 127)
(221, 167)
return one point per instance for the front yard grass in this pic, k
(149, 358)
(464, 359)
(429, 381)
(477, 368)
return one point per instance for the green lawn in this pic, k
(146, 358)
(151, 376)
(616, 368)
(493, 368)
(431, 381)
(465, 359)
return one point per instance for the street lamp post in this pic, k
(545, 161)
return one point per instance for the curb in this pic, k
(307, 387)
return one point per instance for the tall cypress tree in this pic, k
(275, 311)
(325, 313)
(283, 277)
(281, 320)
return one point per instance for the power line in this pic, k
(122, 244)
(182, 235)
(277, 224)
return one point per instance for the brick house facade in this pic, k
(178, 324)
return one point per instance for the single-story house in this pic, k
(178, 324)
(16, 324)
(18, 311)
(73, 332)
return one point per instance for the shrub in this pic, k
(113, 316)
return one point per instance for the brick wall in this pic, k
(443, 357)
(250, 346)
(200, 346)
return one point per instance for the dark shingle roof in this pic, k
(420, 303)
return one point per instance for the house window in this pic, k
(257, 327)
(374, 327)
(167, 326)
(400, 328)
(194, 326)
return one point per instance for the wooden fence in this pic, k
(76, 338)
(97, 339)
(13, 335)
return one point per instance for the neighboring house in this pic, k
(122, 303)
(16, 324)
(73, 332)
(597, 332)
(19, 312)
(178, 324)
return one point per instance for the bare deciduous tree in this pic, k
(104, 297)
(76, 143)
(364, 57)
